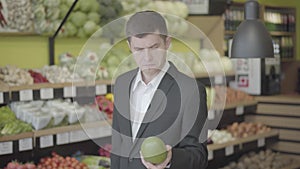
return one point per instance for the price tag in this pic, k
(62, 138)
(46, 141)
(211, 114)
(25, 144)
(219, 79)
(1, 98)
(228, 150)
(106, 131)
(77, 136)
(239, 110)
(26, 95)
(210, 155)
(94, 133)
(70, 91)
(261, 142)
(6, 148)
(101, 89)
(46, 93)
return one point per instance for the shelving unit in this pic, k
(219, 154)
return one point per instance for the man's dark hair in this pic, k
(146, 22)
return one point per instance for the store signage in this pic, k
(46, 141)
(62, 138)
(25, 144)
(70, 91)
(6, 148)
(1, 98)
(94, 133)
(101, 89)
(239, 110)
(228, 150)
(26, 95)
(46, 93)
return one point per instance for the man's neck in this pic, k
(148, 77)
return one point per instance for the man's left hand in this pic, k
(161, 165)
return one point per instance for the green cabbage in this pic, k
(78, 19)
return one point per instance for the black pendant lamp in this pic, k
(252, 39)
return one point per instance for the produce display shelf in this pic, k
(16, 136)
(239, 104)
(44, 91)
(62, 129)
(58, 85)
(215, 78)
(272, 133)
(55, 130)
(286, 99)
(232, 113)
(278, 33)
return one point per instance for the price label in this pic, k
(25, 144)
(218, 79)
(239, 110)
(106, 131)
(46, 93)
(1, 98)
(210, 155)
(26, 95)
(77, 136)
(70, 91)
(261, 142)
(6, 148)
(229, 150)
(101, 89)
(62, 138)
(46, 141)
(94, 133)
(211, 114)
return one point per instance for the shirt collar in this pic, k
(155, 81)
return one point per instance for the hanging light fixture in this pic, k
(252, 39)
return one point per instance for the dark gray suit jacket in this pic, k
(176, 114)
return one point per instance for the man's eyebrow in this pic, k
(139, 48)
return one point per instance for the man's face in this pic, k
(149, 52)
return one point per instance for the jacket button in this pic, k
(130, 159)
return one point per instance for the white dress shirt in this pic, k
(141, 96)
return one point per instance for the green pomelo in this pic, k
(154, 150)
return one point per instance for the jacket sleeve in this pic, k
(116, 142)
(190, 153)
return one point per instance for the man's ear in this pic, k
(168, 42)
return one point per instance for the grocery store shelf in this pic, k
(244, 103)
(62, 129)
(272, 33)
(58, 85)
(287, 99)
(278, 33)
(239, 141)
(16, 136)
(9, 34)
(287, 59)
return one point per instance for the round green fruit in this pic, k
(154, 150)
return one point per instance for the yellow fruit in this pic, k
(110, 96)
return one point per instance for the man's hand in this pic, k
(163, 164)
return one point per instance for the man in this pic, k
(156, 100)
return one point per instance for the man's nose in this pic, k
(148, 56)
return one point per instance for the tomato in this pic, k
(30, 166)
